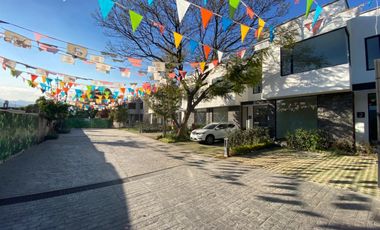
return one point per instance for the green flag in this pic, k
(308, 7)
(135, 19)
(234, 4)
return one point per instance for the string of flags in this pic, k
(68, 89)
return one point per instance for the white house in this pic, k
(326, 80)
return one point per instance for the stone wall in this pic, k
(335, 114)
(19, 131)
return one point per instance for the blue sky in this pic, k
(71, 21)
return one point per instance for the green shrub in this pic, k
(245, 149)
(249, 137)
(171, 138)
(365, 149)
(308, 140)
(344, 146)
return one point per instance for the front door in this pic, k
(372, 119)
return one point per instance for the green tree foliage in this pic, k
(120, 114)
(149, 43)
(165, 102)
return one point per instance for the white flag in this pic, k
(151, 69)
(182, 7)
(103, 68)
(220, 56)
(67, 59)
(159, 66)
(98, 59)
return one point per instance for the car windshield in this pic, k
(210, 126)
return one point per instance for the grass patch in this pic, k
(357, 173)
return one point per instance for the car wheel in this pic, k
(210, 139)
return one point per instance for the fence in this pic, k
(19, 131)
(88, 123)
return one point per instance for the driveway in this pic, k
(112, 179)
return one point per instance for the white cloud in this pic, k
(19, 93)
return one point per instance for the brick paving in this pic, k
(164, 187)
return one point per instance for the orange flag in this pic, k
(194, 64)
(207, 50)
(122, 90)
(244, 30)
(250, 12)
(215, 62)
(206, 17)
(177, 39)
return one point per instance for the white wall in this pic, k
(360, 28)
(361, 124)
(325, 80)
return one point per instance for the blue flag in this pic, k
(105, 7)
(226, 23)
(150, 2)
(193, 45)
(318, 12)
(271, 34)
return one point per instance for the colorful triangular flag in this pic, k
(207, 50)
(244, 30)
(226, 23)
(177, 39)
(182, 7)
(318, 12)
(250, 12)
(193, 46)
(105, 7)
(135, 19)
(220, 56)
(206, 17)
(308, 7)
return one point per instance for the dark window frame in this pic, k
(366, 51)
(313, 37)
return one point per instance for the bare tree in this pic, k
(149, 43)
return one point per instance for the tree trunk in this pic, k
(181, 132)
(164, 131)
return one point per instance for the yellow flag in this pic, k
(244, 30)
(177, 39)
(43, 78)
(202, 65)
(261, 27)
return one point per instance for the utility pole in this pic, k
(377, 68)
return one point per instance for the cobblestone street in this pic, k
(112, 179)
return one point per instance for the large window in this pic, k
(372, 46)
(220, 115)
(296, 113)
(322, 51)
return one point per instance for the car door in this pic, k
(221, 131)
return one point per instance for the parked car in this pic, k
(212, 132)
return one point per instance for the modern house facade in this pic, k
(326, 80)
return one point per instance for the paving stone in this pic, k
(165, 188)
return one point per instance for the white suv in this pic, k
(212, 132)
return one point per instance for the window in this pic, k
(295, 113)
(231, 126)
(322, 51)
(372, 46)
(220, 115)
(222, 126)
(132, 106)
(257, 89)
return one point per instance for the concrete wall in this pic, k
(335, 115)
(360, 28)
(325, 80)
